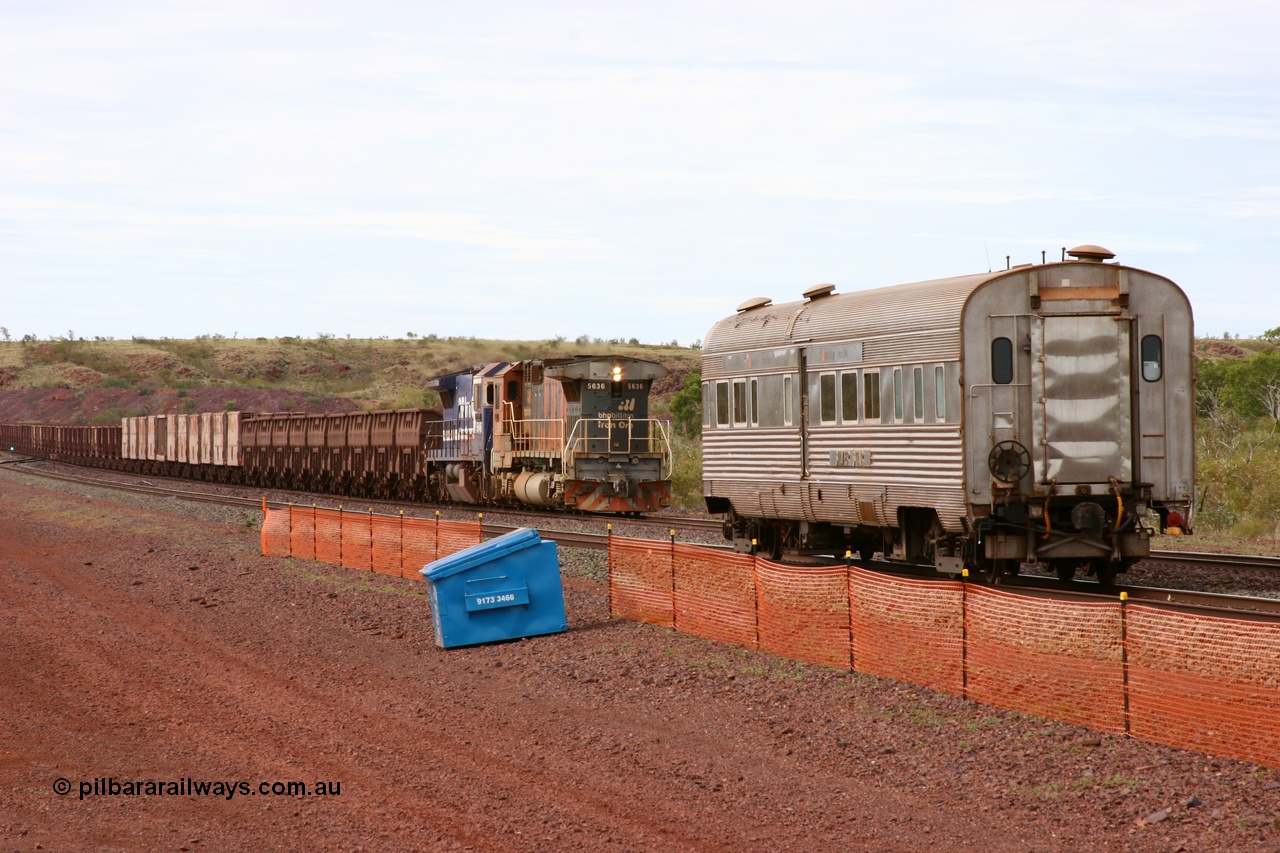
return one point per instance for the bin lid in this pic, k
(477, 555)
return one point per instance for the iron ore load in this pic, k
(570, 433)
(1042, 413)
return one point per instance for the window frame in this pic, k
(1002, 368)
(827, 398)
(899, 407)
(871, 396)
(1143, 361)
(849, 407)
(940, 393)
(738, 400)
(917, 393)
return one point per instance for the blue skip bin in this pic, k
(503, 589)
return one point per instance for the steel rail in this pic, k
(1249, 561)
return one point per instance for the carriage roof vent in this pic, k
(818, 291)
(1090, 252)
(754, 302)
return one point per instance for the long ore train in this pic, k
(1042, 413)
(568, 433)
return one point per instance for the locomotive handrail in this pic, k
(601, 436)
(455, 438)
(537, 435)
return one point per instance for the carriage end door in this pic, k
(1080, 386)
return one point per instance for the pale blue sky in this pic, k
(614, 169)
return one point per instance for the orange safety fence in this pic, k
(387, 551)
(275, 532)
(640, 580)
(1051, 657)
(389, 544)
(715, 594)
(908, 629)
(302, 534)
(357, 541)
(455, 536)
(1185, 679)
(418, 544)
(329, 536)
(803, 612)
(1204, 682)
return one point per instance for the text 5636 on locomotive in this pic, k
(1041, 414)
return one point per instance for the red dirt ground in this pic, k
(148, 642)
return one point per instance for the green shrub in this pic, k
(686, 406)
(686, 473)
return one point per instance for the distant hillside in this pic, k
(79, 381)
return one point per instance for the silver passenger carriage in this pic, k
(1038, 414)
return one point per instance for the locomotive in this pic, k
(1038, 414)
(567, 433)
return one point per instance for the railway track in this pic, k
(670, 526)
(578, 539)
(1202, 558)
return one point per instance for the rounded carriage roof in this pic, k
(921, 305)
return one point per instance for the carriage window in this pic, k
(755, 402)
(1002, 361)
(786, 401)
(918, 389)
(871, 395)
(1152, 358)
(707, 402)
(722, 403)
(740, 401)
(849, 397)
(827, 398)
(939, 393)
(897, 394)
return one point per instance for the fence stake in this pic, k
(1124, 656)
(848, 586)
(964, 633)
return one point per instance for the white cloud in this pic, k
(575, 149)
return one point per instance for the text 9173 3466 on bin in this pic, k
(503, 589)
